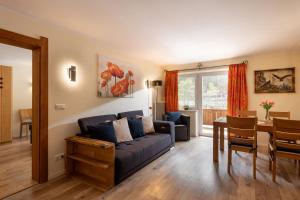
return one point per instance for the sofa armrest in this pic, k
(186, 120)
(165, 127)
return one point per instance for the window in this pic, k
(187, 91)
(214, 91)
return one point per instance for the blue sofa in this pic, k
(134, 155)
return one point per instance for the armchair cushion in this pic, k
(174, 117)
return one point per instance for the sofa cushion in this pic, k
(136, 128)
(103, 131)
(129, 155)
(93, 121)
(148, 125)
(122, 130)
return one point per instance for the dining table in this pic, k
(265, 126)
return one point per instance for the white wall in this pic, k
(22, 94)
(21, 62)
(68, 48)
(283, 101)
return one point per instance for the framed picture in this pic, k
(275, 80)
(115, 78)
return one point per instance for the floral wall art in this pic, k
(115, 78)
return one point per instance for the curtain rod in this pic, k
(198, 68)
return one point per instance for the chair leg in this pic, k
(270, 163)
(21, 130)
(298, 167)
(274, 169)
(254, 164)
(229, 160)
(27, 128)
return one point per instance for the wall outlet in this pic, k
(59, 156)
(60, 106)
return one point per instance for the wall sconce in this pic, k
(72, 73)
(147, 83)
(156, 83)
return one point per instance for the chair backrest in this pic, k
(284, 129)
(25, 114)
(247, 113)
(284, 115)
(242, 127)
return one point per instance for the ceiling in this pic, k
(176, 31)
(15, 56)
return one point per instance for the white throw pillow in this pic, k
(147, 124)
(122, 130)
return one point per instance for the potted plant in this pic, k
(267, 105)
(186, 107)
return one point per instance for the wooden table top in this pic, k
(262, 125)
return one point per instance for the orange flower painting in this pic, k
(115, 79)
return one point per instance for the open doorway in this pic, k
(15, 120)
(39, 123)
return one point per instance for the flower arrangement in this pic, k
(267, 105)
(113, 81)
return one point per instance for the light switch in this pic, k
(60, 106)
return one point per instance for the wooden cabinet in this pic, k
(5, 104)
(92, 160)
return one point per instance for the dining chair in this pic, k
(282, 115)
(283, 132)
(247, 113)
(25, 119)
(242, 136)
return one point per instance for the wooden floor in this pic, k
(186, 172)
(15, 167)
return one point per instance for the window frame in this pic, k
(196, 83)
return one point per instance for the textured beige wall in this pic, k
(66, 48)
(283, 102)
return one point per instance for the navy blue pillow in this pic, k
(104, 132)
(136, 128)
(174, 116)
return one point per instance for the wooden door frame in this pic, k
(39, 49)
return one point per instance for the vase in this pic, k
(267, 117)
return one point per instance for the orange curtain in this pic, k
(171, 91)
(237, 89)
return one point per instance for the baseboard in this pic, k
(56, 174)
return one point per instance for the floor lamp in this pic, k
(156, 84)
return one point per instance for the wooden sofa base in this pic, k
(92, 160)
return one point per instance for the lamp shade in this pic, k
(156, 83)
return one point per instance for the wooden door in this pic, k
(5, 104)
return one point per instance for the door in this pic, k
(213, 99)
(5, 104)
(206, 93)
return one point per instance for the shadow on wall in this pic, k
(69, 126)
